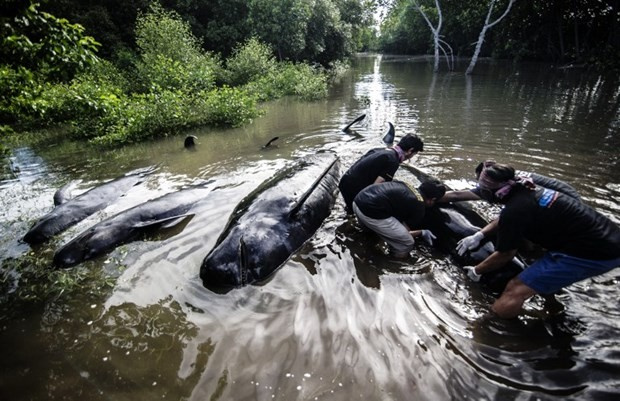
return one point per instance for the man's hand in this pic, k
(428, 236)
(467, 243)
(471, 273)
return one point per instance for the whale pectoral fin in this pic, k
(167, 222)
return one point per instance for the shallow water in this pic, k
(339, 320)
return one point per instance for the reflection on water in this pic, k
(340, 320)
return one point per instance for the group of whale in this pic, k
(264, 230)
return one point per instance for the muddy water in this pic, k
(340, 320)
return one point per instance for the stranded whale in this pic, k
(72, 211)
(126, 226)
(272, 222)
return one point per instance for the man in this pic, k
(393, 209)
(472, 241)
(376, 166)
(538, 179)
(579, 242)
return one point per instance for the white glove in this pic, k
(467, 243)
(471, 273)
(428, 236)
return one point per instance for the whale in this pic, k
(271, 223)
(147, 218)
(450, 222)
(70, 212)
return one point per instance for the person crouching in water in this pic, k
(394, 209)
(579, 242)
(376, 166)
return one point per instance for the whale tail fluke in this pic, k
(357, 120)
(388, 139)
(271, 141)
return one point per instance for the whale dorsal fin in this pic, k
(166, 222)
(297, 206)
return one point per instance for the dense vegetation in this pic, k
(119, 71)
(146, 73)
(564, 32)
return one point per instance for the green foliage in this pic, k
(5, 133)
(290, 79)
(143, 116)
(248, 62)
(18, 89)
(48, 45)
(168, 86)
(171, 57)
(282, 24)
(229, 106)
(164, 33)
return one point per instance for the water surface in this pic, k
(340, 320)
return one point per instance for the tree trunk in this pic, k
(483, 32)
(434, 30)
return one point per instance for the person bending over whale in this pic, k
(579, 242)
(376, 166)
(392, 209)
(538, 179)
(473, 241)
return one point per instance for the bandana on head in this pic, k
(400, 153)
(501, 188)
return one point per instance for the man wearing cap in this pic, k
(376, 166)
(579, 242)
(393, 209)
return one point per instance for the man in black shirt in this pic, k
(579, 242)
(393, 209)
(539, 180)
(378, 165)
(472, 241)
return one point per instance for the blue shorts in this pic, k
(555, 271)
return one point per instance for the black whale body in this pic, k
(271, 223)
(451, 222)
(72, 211)
(128, 225)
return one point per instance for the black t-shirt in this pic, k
(558, 223)
(392, 199)
(375, 163)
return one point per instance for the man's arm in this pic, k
(490, 228)
(379, 180)
(458, 196)
(495, 261)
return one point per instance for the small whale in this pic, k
(77, 209)
(190, 141)
(161, 213)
